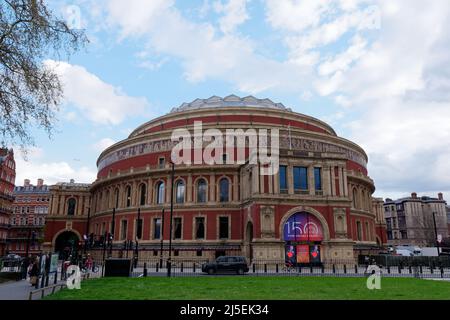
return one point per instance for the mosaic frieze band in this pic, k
(285, 142)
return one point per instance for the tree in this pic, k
(30, 91)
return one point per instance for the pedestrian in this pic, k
(34, 273)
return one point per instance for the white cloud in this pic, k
(36, 167)
(203, 52)
(102, 144)
(401, 86)
(235, 13)
(98, 101)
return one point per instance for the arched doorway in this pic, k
(66, 243)
(303, 235)
(248, 241)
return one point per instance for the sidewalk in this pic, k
(15, 290)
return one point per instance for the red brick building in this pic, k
(30, 209)
(316, 207)
(7, 179)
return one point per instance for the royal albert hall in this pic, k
(316, 207)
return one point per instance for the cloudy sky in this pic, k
(377, 71)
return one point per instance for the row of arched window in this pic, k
(201, 193)
(361, 199)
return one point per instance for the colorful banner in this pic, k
(291, 256)
(303, 226)
(303, 253)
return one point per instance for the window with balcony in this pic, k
(300, 179)
(177, 228)
(223, 227)
(201, 190)
(180, 191)
(224, 187)
(200, 228)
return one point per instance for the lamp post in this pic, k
(138, 237)
(86, 239)
(435, 233)
(162, 239)
(113, 225)
(169, 262)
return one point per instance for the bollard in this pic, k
(265, 268)
(145, 268)
(181, 268)
(323, 269)
(389, 269)
(410, 270)
(193, 267)
(157, 267)
(310, 269)
(420, 268)
(276, 268)
(299, 269)
(254, 268)
(334, 268)
(356, 269)
(431, 269)
(345, 268)
(55, 280)
(442, 272)
(399, 269)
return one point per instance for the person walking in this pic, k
(34, 273)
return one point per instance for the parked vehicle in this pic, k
(226, 264)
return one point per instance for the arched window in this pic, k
(116, 203)
(201, 190)
(355, 198)
(128, 192)
(224, 185)
(160, 192)
(107, 200)
(71, 204)
(180, 191)
(143, 194)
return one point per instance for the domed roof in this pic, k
(229, 101)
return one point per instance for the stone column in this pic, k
(311, 187)
(235, 187)
(149, 191)
(326, 180)
(255, 179)
(212, 187)
(341, 181)
(276, 183)
(290, 179)
(189, 188)
(344, 174)
(333, 181)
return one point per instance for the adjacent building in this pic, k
(7, 180)
(27, 222)
(316, 206)
(66, 221)
(411, 220)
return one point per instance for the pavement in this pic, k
(15, 290)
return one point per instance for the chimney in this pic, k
(440, 196)
(40, 182)
(72, 181)
(414, 195)
(26, 182)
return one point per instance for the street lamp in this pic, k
(162, 239)
(435, 233)
(138, 237)
(169, 262)
(86, 239)
(113, 225)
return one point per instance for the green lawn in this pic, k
(254, 288)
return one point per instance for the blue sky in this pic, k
(377, 71)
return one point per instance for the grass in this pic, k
(254, 288)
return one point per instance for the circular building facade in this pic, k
(315, 206)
